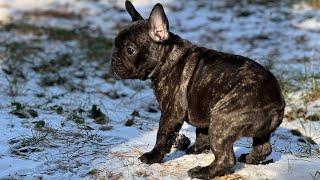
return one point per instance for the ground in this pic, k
(64, 116)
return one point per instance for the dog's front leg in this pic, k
(169, 127)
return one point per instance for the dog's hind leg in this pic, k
(202, 142)
(221, 143)
(260, 151)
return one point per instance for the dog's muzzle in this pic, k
(117, 66)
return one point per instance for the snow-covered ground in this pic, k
(63, 116)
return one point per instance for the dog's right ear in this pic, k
(133, 12)
(158, 24)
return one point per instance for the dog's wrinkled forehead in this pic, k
(136, 32)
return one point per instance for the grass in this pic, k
(77, 117)
(54, 65)
(25, 145)
(58, 109)
(314, 3)
(16, 85)
(18, 50)
(98, 116)
(52, 68)
(95, 46)
(14, 55)
(52, 32)
(52, 13)
(129, 122)
(51, 80)
(292, 81)
(93, 172)
(296, 132)
(39, 124)
(313, 94)
(316, 175)
(22, 111)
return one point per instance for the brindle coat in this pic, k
(225, 96)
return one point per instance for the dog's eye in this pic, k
(130, 51)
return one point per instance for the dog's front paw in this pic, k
(199, 172)
(151, 157)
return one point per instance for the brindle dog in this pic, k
(224, 96)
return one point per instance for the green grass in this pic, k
(98, 116)
(19, 50)
(52, 32)
(96, 47)
(52, 67)
(55, 64)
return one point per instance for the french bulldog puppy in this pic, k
(224, 96)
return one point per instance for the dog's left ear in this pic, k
(158, 24)
(133, 12)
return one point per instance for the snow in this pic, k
(68, 150)
(310, 24)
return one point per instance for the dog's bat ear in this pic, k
(158, 24)
(133, 12)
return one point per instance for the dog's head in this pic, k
(134, 55)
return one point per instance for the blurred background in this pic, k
(59, 103)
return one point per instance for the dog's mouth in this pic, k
(117, 67)
(121, 70)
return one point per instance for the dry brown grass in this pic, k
(313, 95)
(232, 177)
(314, 3)
(52, 13)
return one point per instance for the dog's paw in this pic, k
(198, 150)
(248, 159)
(151, 157)
(208, 172)
(199, 172)
(243, 158)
